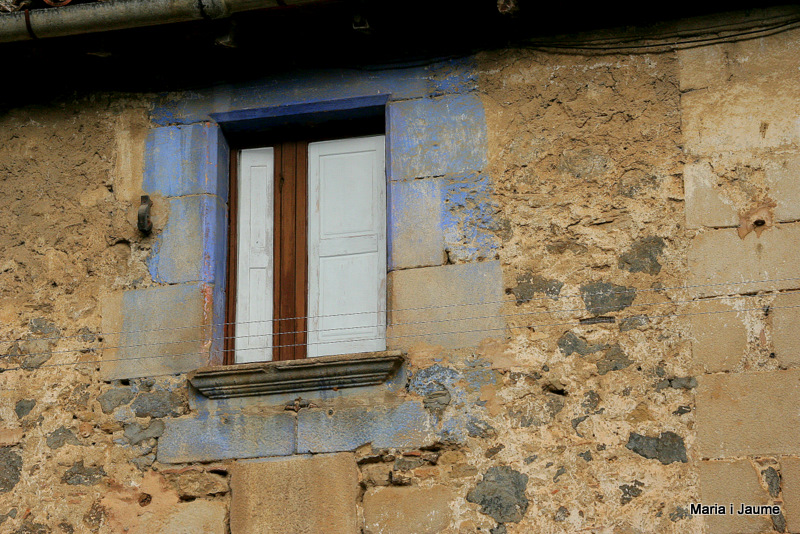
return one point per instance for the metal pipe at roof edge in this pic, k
(122, 14)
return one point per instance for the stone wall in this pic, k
(625, 223)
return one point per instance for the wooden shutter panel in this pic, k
(254, 278)
(346, 246)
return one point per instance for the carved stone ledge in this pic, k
(292, 376)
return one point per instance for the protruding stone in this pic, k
(501, 494)
(603, 297)
(157, 404)
(667, 448)
(114, 398)
(408, 510)
(60, 437)
(79, 474)
(643, 256)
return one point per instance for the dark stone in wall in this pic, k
(60, 437)
(679, 513)
(407, 464)
(602, 297)
(569, 343)
(501, 494)
(40, 325)
(81, 475)
(431, 379)
(561, 514)
(613, 360)
(633, 322)
(529, 285)
(10, 468)
(687, 382)
(630, 491)
(667, 448)
(643, 256)
(24, 407)
(135, 433)
(779, 522)
(586, 455)
(437, 401)
(38, 351)
(156, 404)
(773, 479)
(29, 527)
(590, 400)
(477, 428)
(113, 398)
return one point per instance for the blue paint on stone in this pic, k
(384, 426)
(186, 160)
(437, 136)
(309, 87)
(453, 76)
(416, 236)
(469, 218)
(192, 246)
(430, 379)
(208, 437)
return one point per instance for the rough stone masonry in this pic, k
(575, 196)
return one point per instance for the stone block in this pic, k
(783, 180)
(785, 313)
(408, 510)
(735, 117)
(469, 218)
(155, 331)
(186, 160)
(742, 414)
(195, 517)
(722, 258)
(737, 482)
(383, 425)
(415, 224)
(702, 67)
(705, 203)
(719, 335)
(433, 137)
(192, 246)
(296, 495)
(207, 437)
(291, 89)
(453, 306)
(790, 485)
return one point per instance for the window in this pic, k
(308, 250)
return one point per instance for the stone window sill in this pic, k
(293, 376)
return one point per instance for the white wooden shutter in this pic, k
(346, 246)
(254, 278)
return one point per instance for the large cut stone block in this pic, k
(433, 137)
(790, 485)
(407, 510)
(192, 246)
(298, 495)
(719, 336)
(383, 425)
(705, 203)
(737, 482)
(748, 414)
(721, 257)
(416, 237)
(319, 88)
(156, 331)
(741, 116)
(207, 437)
(186, 160)
(785, 313)
(452, 305)
(783, 180)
